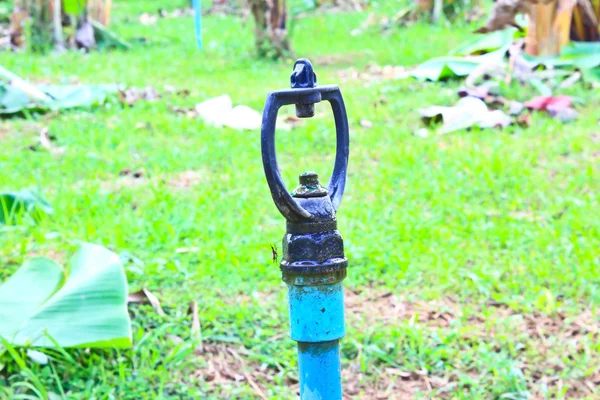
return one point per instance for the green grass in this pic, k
(496, 230)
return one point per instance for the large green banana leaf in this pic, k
(85, 306)
(14, 203)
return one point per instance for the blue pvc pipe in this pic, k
(316, 312)
(198, 22)
(317, 324)
(320, 370)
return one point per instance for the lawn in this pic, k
(473, 256)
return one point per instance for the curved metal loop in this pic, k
(286, 204)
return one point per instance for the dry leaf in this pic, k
(542, 103)
(134, 174)
(558, 107)
(46, 142)
(481, 92)
(145, 296)
(503, 15)
(132, 95)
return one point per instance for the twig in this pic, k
(247, 376)
(196, 330)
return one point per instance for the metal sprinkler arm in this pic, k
(304, 96)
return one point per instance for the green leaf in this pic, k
(74, 7)
(40, 276)
(591, 75)
(74, 96)
(486, 43)
(88, 310)
(13, 100)
(441, 68)
(584, 55)
(13, 204)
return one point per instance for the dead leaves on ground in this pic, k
(132, 95)
(556, 106)
(481, 106)
(373, 73)
(468, 112)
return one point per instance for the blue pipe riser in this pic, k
(320, 371)
(316, 312)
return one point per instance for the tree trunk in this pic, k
(99, 10)
(270, 28)
(549, 27)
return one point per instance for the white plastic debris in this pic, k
(219, 111)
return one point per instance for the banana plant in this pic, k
(83, 305)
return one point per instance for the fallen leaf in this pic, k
(46, 142)
(468, 112)
(145, 296)
(563, 114)
(442, 68)
(542, 103)
(496, 101)
(481, 92)
(494, 119)
(558, 107)
(515, 108)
